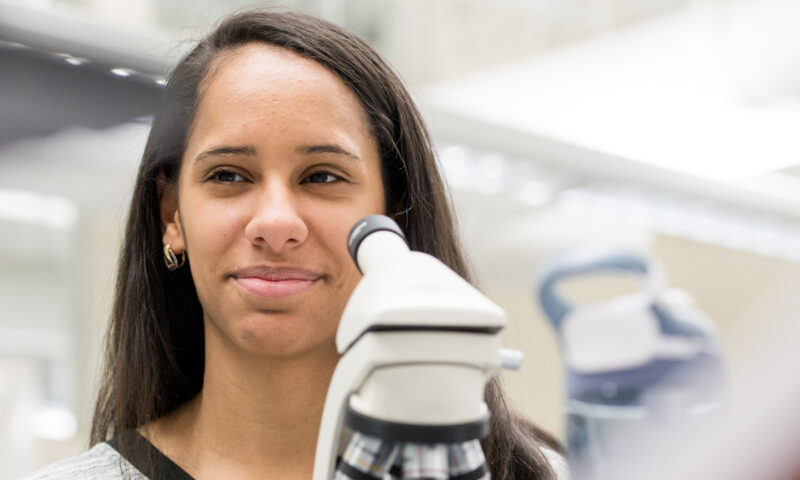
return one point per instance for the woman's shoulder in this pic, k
(101, 462)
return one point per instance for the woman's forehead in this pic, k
(256, 65)
(260, 93)
(262, 76)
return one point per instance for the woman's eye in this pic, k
(322, 177)
(226, 176)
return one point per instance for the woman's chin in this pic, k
(279, 342)
(271, 334)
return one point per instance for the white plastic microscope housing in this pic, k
(419, 344)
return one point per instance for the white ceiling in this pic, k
(667, 92)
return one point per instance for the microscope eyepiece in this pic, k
(369, 225)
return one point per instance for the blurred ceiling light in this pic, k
(492, 174)
(573, 200)
(122, 72)
(453, 158)
(534, 193)
(73, 60)
(11, 45)
(38, 209)
(492, 166)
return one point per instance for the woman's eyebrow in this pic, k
(248, 150)
(326, 148)
(251, 151)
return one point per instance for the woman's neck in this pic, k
(254, 416)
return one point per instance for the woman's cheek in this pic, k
(223, 221)
(208, 235)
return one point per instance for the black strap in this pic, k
(149, 460)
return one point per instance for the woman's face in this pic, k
(279, 164)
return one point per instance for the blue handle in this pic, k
(581, 262)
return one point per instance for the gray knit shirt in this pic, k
(101, 462)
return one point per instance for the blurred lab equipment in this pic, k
(642, 369)
(418, 345)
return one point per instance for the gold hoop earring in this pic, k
(171, 259)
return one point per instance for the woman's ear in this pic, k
(171, 229)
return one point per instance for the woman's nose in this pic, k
(276, 223)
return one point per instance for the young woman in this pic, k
(277, 133)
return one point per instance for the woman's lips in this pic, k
(275, 282)
(273, 288)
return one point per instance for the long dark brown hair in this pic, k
(155, 343)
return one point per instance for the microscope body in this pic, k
(418, 345)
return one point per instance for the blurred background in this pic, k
(666, 126)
